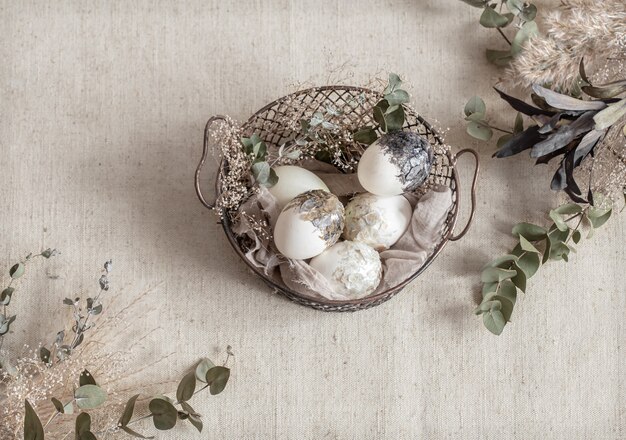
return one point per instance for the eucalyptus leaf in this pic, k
(576, 237)
(5, 296)
(479, 131)
(394, 82)
(129, 409)
(519, 280)
(217, 378)
(196, 422)
(596, 222)
(489, 288)
(33, 429)
(17, 270)
(58, 405)
(527, 245)
(89, 396)
(44, 355)
(529, 12)
(475, 105)
(527, 31)
(494, 321)
(397, 97)
(500, 58)
(492, 19)
(395, 119)
(569, 209)
(186, 387)
(86, 378)
(558, 220)
(202, 368)
(83, 424)
(501, 261)
(518, 127)
(515, 6)
(164, 414)
(365, 136)
(379, 117)
(530, 231)
(529, 263)
(496, 274)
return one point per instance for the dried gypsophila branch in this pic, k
(589, 29)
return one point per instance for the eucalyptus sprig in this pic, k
(15, 273)
(506, 275)
(388, 113)
(499, 15)
(255, 148)
(164, 411)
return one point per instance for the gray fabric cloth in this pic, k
(399, 262)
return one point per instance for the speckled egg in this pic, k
(376, 220)
(309, 224)
(353, 269)
(397, 162)
(292, 181)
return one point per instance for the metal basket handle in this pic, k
(205, 153)
(473, 192)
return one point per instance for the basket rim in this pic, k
(318, 300)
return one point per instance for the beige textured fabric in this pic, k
(103, 109)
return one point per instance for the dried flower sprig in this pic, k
(15, 272)
(589, 29)
(504, 276)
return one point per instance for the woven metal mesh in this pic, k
(355, 109)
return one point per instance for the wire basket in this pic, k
(355, 104)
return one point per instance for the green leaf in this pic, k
(501, 261)
(479, 131)
(398, 97)
(365, 136)
(393, 83)
(558, 221)
(202, 368)
(196, 422)
(507, 295)
(475, 105)
(520, 279)
(127, 415)
(83, 424)
(58, 405)
(568, 209)
(379, 117)
(491, 19)
(529, 263)
(395, 119)
(186, 387)
(489, 288)
(494, 321)
(596, 222)
(530, 231)
(259, 150)
(527, 245)
(33, 429)
(69, 408)
(89, 396)
(515, 6)
(546, 252)
(528, 30)
(500, 58)
(495, 274)
(610, 115)
(86, 378)
(518, 127)
(217, 378)
(477, 117)
(44, 355)
(576, 236)
(5, 324)
(529, 13)
(17, 270)
(164, 415)
(5, 296)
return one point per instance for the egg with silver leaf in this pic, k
(395, 163)
(310, 223)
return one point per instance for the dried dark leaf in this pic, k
(523, 107)
(520, 142)
(565, 102)
(564, 135)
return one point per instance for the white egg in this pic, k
(376, 220)
(352, 269)
(397, 162)
(309, 224)
(292, 181)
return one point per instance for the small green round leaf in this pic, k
(89, 396)
(479, 131)
(217, 377)
(164, 414)
(186, 387)
(17, 270)
(494, 321)
(475, 105)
